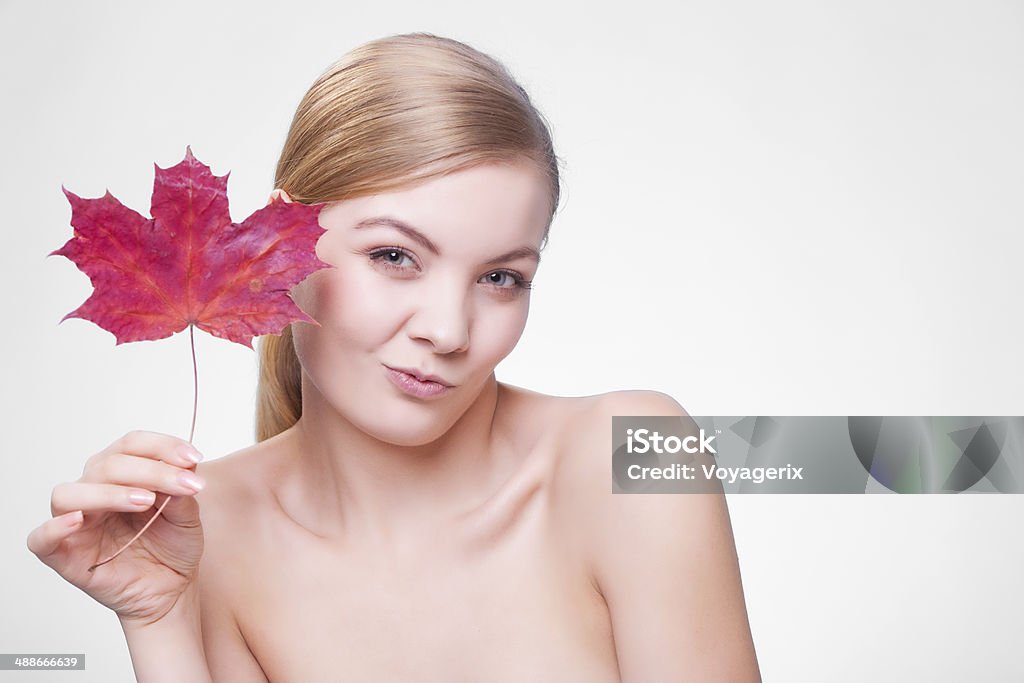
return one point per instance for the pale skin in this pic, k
(471, 536)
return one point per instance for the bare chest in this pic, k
(511, 605)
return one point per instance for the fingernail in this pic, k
(192, 481)
(74, 519)
(142, 497)
(192, 454)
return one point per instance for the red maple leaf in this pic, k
(189, 264)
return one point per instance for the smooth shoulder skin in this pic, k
(662, 568)
(225, 498)
(665, 564)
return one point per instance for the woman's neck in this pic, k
(356, 484)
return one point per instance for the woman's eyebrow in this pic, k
(417, 236)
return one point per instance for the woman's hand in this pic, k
(144, 582)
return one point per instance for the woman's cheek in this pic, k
(343, 294)
(498, 333)
(368, 305)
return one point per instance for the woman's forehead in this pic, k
(495, 203)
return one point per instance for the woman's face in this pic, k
(432, 279)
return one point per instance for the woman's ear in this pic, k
(279, 193)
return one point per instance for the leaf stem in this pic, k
(191, 434)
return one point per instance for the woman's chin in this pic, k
(408, 428)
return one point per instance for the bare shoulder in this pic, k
(581, 478)
(634, 402)
(235, 501)
(230, 506)
(665, 564)
(585, 438)
(233, 487)
(551, 416)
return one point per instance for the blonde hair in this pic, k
(392, 112)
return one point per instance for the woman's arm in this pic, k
(228, 656)
(199, 639)
(170, 649)
(192, 643)
(665, 563)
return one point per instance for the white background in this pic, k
(770, 208)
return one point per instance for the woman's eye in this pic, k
(390, 256)
(501, 278)
(394, 258)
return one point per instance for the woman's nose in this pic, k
(442, 318)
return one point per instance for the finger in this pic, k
(46, 538)
(91, 497)
(152, 475)
(154, 446)
(168, 448)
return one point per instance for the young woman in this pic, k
(404, 516)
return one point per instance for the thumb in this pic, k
(182, 511)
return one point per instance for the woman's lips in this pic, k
(414, 387)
